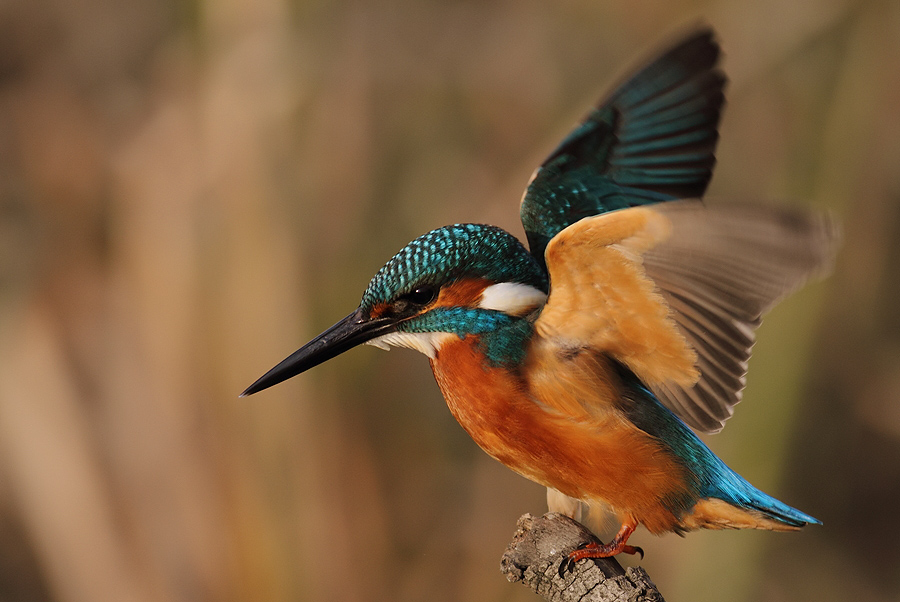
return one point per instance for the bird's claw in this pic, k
(565, 566)
(594, 550)
(568, 563)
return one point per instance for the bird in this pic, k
(589, 360)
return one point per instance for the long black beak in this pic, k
(355, 329)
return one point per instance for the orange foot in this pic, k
(603, 550)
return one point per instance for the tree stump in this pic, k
(539, 548)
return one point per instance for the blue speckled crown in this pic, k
(453, 252)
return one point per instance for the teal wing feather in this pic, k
(652, 140)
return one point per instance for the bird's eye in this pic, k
(422, 295)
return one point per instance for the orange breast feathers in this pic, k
(539, 426)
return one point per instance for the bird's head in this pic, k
(454, 281)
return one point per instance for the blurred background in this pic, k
(191, 189)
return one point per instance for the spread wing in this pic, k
(653, 139)
(675, 292)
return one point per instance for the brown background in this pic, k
(190, 190)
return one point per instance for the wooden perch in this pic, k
(540, 545)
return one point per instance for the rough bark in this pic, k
(539, 547)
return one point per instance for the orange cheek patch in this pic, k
(462, 293)
(379, 310)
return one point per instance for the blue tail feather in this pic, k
(735, 489)
(713, 478)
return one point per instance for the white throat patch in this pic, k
(512, 298)
(426, 342)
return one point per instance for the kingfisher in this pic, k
(588, 361)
